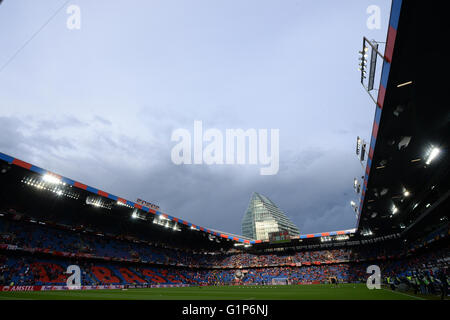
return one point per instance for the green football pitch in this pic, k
(292, 292)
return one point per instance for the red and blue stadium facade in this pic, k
(390, 45)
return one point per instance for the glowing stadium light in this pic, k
(134, 215)
(352, 203)
(358, 145)
(342, 237)
(432, 155)
(176, 227)
(59, 188)
(406, 193)
(404, 84)
(98, 202)
(119, 203)
(394, 209)
(50, 178)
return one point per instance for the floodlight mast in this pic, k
(361, 146)
(372, 66)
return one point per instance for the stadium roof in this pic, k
(407, 173)
(119, 200)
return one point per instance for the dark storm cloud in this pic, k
(211, 196)
(26, 136)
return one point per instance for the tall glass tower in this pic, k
(263, 217)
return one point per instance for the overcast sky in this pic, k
(99, 104)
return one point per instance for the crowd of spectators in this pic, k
(153, 264)
(29, 270)
(35, 235)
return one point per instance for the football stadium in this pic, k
(61, 239)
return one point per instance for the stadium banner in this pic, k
(147, 204)
(20, 288)
(9, 247)
(100, 287)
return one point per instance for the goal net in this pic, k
(280, 281)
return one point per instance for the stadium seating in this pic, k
(41, 254)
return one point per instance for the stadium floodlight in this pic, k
(363, 151)
(119, 203)
(358, 145)
(134, 215)
(352, 203)
(342, 237)
(98, 202)
(406, 193)
(404, 84)
(49, 178)
(368, 68)
(394, 209)
(432, 155)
